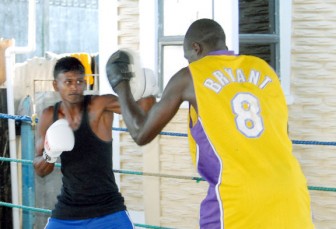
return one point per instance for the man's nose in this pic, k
(74, 86)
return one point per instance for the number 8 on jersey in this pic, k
(247, 110)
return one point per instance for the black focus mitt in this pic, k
(118, 68)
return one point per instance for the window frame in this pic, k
(151, 23)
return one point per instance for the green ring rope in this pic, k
(197, 179)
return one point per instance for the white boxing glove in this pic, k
(59, 137)
(137, 82)
(151, 84)
(144, 81)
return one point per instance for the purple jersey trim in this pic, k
(209, 167)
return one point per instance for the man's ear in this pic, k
(197, 47)
(55, 85)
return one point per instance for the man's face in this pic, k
(71, 86)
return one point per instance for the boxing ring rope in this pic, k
(296, 142)
(161, 175)
(33, 120)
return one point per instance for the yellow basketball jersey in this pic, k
(240, 145)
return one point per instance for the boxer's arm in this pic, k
(111, 103)
(102, 109)
(145, 126)
(146, 103)
(43, 168)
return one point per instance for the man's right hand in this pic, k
(59, 137)
(118, 68)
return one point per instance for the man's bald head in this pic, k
(205, 34)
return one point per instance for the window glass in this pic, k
(173, 61)
(179, 14)
(264, 51)
(257, 23)
(256, 16)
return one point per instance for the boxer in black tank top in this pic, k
(89, 196)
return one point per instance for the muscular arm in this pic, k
(43, 168)
(102, 109)
(112, 103)
(143, 126)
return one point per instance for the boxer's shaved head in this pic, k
(68, 64)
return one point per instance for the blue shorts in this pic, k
(118, 220)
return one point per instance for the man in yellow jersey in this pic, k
(237, 132)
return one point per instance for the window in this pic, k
(252, 27)
(258, 33)
(174, 19)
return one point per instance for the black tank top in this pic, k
(89, 189)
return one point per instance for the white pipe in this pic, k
(10, 72)
(12, 139)
(108, 41)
